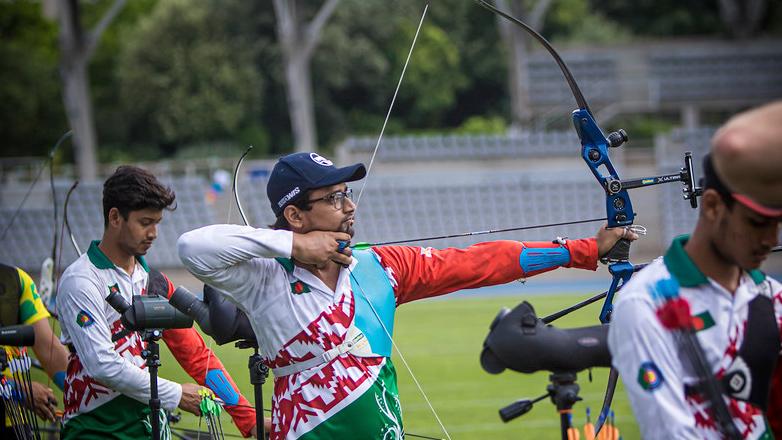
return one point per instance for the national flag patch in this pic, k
(649, 376)
(298, 288)
(84, 319)
(702, 321)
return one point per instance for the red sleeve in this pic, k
(189, 349)
(418, 273)
(192, 354)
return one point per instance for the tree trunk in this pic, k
(742, 17)
(298, 42)
(78, 108)
(517, 40)
(300, 103)
(76, 48)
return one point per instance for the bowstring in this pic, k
(358, 200)
(391, 106)
(401, 356)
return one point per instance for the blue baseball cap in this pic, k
(297, 173)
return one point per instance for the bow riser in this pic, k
(594, 151)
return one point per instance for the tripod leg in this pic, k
(258, 374)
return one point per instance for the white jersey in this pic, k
(655, 369)
(100, 370)
(298, 319)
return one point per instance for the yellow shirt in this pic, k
(31, 310)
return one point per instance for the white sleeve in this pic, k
(96, 350)
(645, 355)
(233, 258)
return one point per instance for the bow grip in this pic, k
(619, 252)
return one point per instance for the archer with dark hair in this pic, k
(134, 189)
(731, 308)
(107, 382)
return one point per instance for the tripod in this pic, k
(152, 355)
(258, 374)
(563, 391)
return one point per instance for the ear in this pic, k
(294, 217)
(115, 217)
(712, 205)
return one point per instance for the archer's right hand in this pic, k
(320, 247)
(190, 400)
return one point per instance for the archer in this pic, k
(323, 313)
(708, 286)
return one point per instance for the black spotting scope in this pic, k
(520, 341)
(17, 336)
(217, 317)
(148, 312)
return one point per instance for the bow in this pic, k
(619, 209)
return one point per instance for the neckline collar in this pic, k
(681, 266)
(101, 261)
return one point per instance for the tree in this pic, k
(743, 17)
(186, 76)
(76, 49)
(518, 42)
(30, 117)
(298, 41)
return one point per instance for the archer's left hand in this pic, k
(607, 238)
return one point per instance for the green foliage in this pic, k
(483, 125)
(31, 111)
(184, 77)
(433, 75)
(663, 17)
(576, 20)
(169, 74)
(643, 128)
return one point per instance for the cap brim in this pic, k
(757, 207)
(349, 173)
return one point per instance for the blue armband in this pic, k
(535, 259)
(219, 384)
(59, 379)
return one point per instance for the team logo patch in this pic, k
(649, 376)
(320, 160)
(702, 321)
(298, 288)
(84, 319)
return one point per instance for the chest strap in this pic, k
(356, 344)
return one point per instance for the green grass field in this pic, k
(441, 340)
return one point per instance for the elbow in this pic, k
(188, 248)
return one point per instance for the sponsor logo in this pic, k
(702, 321)
(737, 382)
(288, 196)
(84, 319)
(588, 341)
(649, 376)
(320, 160)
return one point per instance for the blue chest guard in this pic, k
(368, 279)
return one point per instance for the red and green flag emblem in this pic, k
(702, 321)
(114, 288)
(298, 288)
